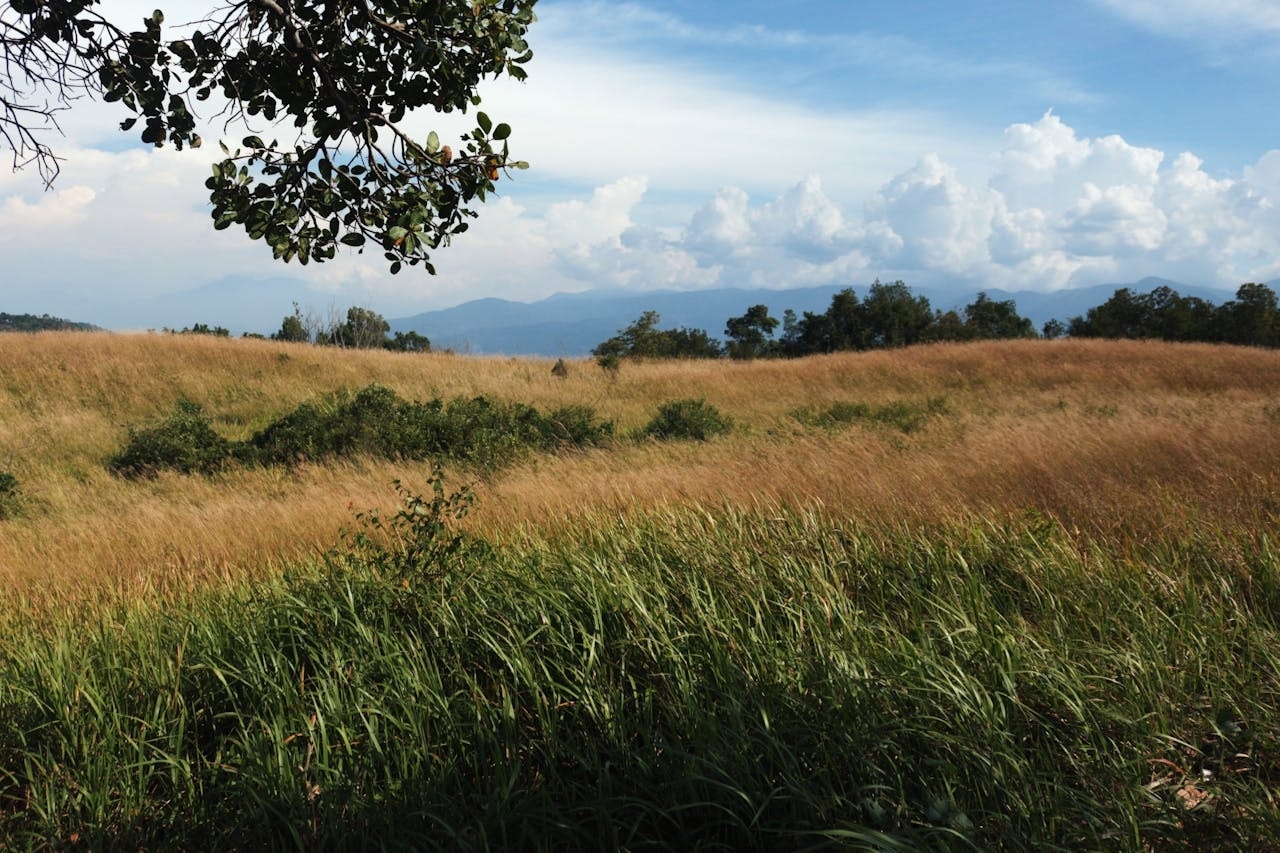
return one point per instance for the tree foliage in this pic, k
(750, 336)
(293, 329)
(642, 339)
(1251, 319)
(363, 329)
(987, 319)
(331, 81)
(40, 323)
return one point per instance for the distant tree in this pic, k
(948, 326)
(750, 336)
(363, 329)
(642, 339)
(293, 329)
(408, 342)
(1053, 329)
(790, 337)
(204, 329)
(688, 343)
(1121, 316)
(636, 339)
(1252, 318)
(41, 323)
(988, 319)
(892, 317)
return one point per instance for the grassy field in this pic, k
(1001, 595)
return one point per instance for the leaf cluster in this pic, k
(339, 77)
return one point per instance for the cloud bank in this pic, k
(1057, 210)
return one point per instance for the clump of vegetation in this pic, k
(9, 495)
(418, 542)
(688, 419)
(201, 329)
(41, 323)
(899, 415)
(184, 442)
(643, 339)
(374, 421)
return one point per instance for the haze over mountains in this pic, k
(566, 324)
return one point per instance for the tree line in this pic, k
(891, 316)
(362, 328)
(1251, 319)
(41, 323)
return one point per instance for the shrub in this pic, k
(577, 426)
(8, 495)
(185, 442)
(375, 422)
(691, 419)
(899, 415)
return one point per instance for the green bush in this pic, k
(8, 495)
(185, 442)
(899, 415)
(577, 426)
(690, 419)
(375, 421)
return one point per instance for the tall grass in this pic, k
(1116, 438)
(766, 679)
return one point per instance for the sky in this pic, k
(690, 144)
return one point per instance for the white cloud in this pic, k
(1058, 210)
(54, 213)
(1201, 19)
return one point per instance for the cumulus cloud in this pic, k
(1057, 210)
(1053, 209)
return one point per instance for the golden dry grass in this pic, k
(1126, 439)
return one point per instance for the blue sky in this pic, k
(696, 143)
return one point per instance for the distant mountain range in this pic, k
(566, 324)
(571, 324)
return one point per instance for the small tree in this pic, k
(293, 329)
(363, 329)
(408, 342)
(987, 319)
(642, 339)
(892, 317)
(751, 335)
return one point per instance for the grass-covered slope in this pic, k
(1118, 439)
(997, 596)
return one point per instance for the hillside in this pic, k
(1110, 438)
(998, 596)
